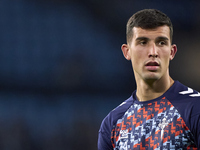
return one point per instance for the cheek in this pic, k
(139, 53)
(138, 58)
(166, 58)
(169, 56)
(165, 54)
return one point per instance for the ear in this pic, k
(126, 51)
(173, 51)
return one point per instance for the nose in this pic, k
(153, 52)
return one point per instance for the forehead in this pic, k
(151, 33)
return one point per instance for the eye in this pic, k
(143, 42)
(161, 43)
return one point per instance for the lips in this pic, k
(152, 63)
(152, 66)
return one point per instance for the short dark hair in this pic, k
(147, 19)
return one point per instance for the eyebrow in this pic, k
(158, 38)
(162, 38)
(142, 38)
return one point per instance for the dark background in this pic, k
(62, 69)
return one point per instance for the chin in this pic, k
(151, 78)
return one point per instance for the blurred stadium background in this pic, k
(62, 70)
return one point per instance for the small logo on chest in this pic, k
(162, 126)
(124, 134)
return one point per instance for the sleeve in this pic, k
(195, 129)
(104, 142)
(104, 137)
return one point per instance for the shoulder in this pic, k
(183, 97)
(115, 114)
(184, 93)
(104, 137)
(187, 101)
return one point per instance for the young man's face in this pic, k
(150, 52)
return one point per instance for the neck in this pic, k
(148, 90)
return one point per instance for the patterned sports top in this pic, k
(169, 122)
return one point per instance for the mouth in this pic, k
(152, 65)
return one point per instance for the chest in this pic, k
(156, 125)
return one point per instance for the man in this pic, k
(161, 113)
